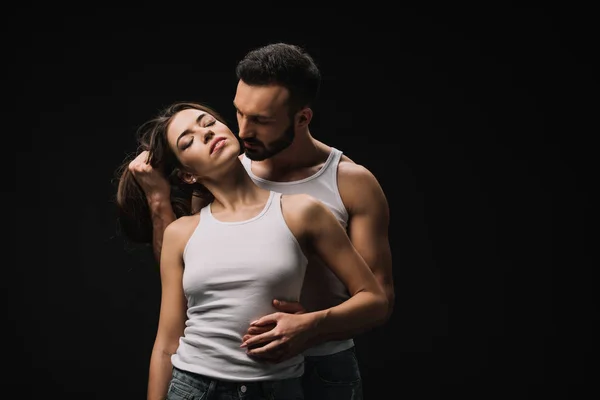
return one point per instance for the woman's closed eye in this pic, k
(188, 143)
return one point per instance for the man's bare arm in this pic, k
(368, 223)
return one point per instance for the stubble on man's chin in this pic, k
(274, 148)
(255, 155)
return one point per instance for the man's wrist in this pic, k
(318, 324)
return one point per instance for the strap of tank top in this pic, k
(275, 202)
(337, 154)
(333, 162)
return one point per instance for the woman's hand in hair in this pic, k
(151, 180)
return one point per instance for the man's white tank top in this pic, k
(232, 272)
(322, 289)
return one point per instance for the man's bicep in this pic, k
(368, 227)
(368, 232)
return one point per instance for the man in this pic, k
(277, 85)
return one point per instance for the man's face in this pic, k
(265, 126)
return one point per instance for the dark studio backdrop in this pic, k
(477, 123)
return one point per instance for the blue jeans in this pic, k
(332, 377)
(189, 386)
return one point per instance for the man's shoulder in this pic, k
(357, 185)
(350, 169)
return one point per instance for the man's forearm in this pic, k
(339, 323)
(162, 215)
(388, 288)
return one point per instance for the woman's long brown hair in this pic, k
(133, 213)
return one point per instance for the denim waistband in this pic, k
(217, 386)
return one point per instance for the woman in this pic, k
(220, 268)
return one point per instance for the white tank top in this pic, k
(322, 289)
(232, 272)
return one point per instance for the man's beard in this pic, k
(262, 153)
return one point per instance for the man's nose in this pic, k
(245, 130)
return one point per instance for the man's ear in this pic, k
(187, 177)
(304, 117)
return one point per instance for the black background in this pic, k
(478, 124)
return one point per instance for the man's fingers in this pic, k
(271, 350)
(259, 339)
(267, 320)
(257, 330)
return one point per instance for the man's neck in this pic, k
(299, 161)
(304, 152)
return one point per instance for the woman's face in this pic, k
(202, 144)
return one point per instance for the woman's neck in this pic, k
(234, 189)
